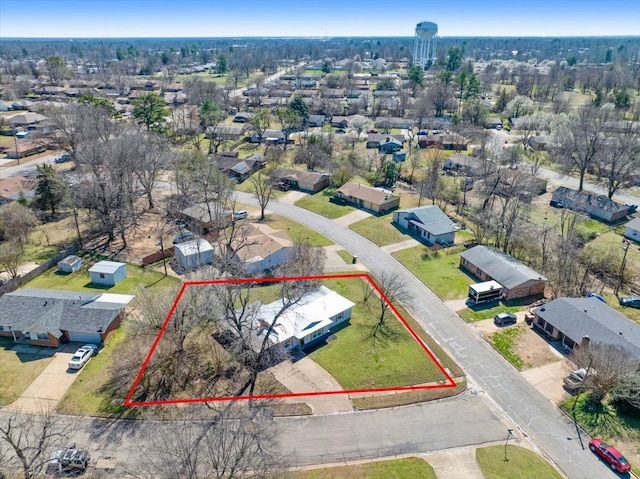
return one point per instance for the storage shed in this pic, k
(195, 253)
(69, 264)
(108, 272)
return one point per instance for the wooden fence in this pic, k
(20, 281)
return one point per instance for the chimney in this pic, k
(585, 342)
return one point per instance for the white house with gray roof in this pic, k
(307, 322)
(517, 279)
(429, 223)
(570, 320)
(48, 317)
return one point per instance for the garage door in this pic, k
(84, 337)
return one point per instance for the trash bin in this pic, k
(354, 260)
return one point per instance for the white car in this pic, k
(81, 356)
(240, 215)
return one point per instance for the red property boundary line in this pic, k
(450, 383)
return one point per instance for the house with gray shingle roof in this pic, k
(570, 320)
(378, 200)
(48, 317)
(429, 223)
(517, 279)
(597, 206)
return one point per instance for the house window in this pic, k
(102, 275)
(315, 334)
(2, 328)
(288, 343)
(43, 336)
(340, 316)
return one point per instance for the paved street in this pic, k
(521, 402)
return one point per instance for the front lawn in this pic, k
(322, 204)
(80, 280)
(504, 342)
(521, 464)
(486, 311)
(357, 360)
(17, 370)
(440, 271)
(380, 230)
(296, 231)
(407, 468)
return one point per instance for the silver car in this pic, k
(81, 356)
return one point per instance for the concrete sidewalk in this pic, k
(392, 248)
(352, 217)
(455, 463)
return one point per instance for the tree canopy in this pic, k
(150, 111)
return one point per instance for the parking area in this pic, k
(50, 386)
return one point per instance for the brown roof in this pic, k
(365, 193)
(304, 177)
(260, 241)
(11, 187)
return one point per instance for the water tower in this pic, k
(424, 47)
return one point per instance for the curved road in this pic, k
(521, 402)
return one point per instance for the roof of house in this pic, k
(106, 267)
(634, 224)
(11, 188)
(257, 241)
(304, 177)
(195, 246)
(55, 310)
(584, 201)
(579, 317)
(376, 196)
(384, 138)
(432, 218)
(501, 267)
(313, 312)
(200, 212)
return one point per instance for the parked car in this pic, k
(68, 461)
(574, 380)
(63, 158)
(597, 296)
(503, 318)
(610, 455)
(240, 215)
(340, 131)
(183, 236)
(82, 355)
(631, 301)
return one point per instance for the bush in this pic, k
(626, 396)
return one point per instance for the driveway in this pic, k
(46, 391)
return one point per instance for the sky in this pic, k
(315, 18)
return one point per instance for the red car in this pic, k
(610, 455)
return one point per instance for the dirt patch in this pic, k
(533, 350)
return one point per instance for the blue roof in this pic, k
(432, 217)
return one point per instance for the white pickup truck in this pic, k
(574, 380)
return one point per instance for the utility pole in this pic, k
(509, 433)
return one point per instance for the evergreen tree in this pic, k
(51, 190)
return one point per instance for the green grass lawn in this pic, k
(346, 256)
(297, 231)
(319, 203)
(521, 464)
(80, 281)
(504, 341)
(407, 468)
(488, 311)
(89, 395)
(441, 274)
(17, 371)
(357, 361)
(380, 230)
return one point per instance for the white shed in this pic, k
(108, 272)
(195, 253)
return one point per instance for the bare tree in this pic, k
(153, 156)
(582, 139)
(18, 221)
(11, 253)
(620, 159)
(390, 290)
(609, 364)
(263, 189)
(30, 439)
(232, 442)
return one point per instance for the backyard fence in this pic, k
(20, 281)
